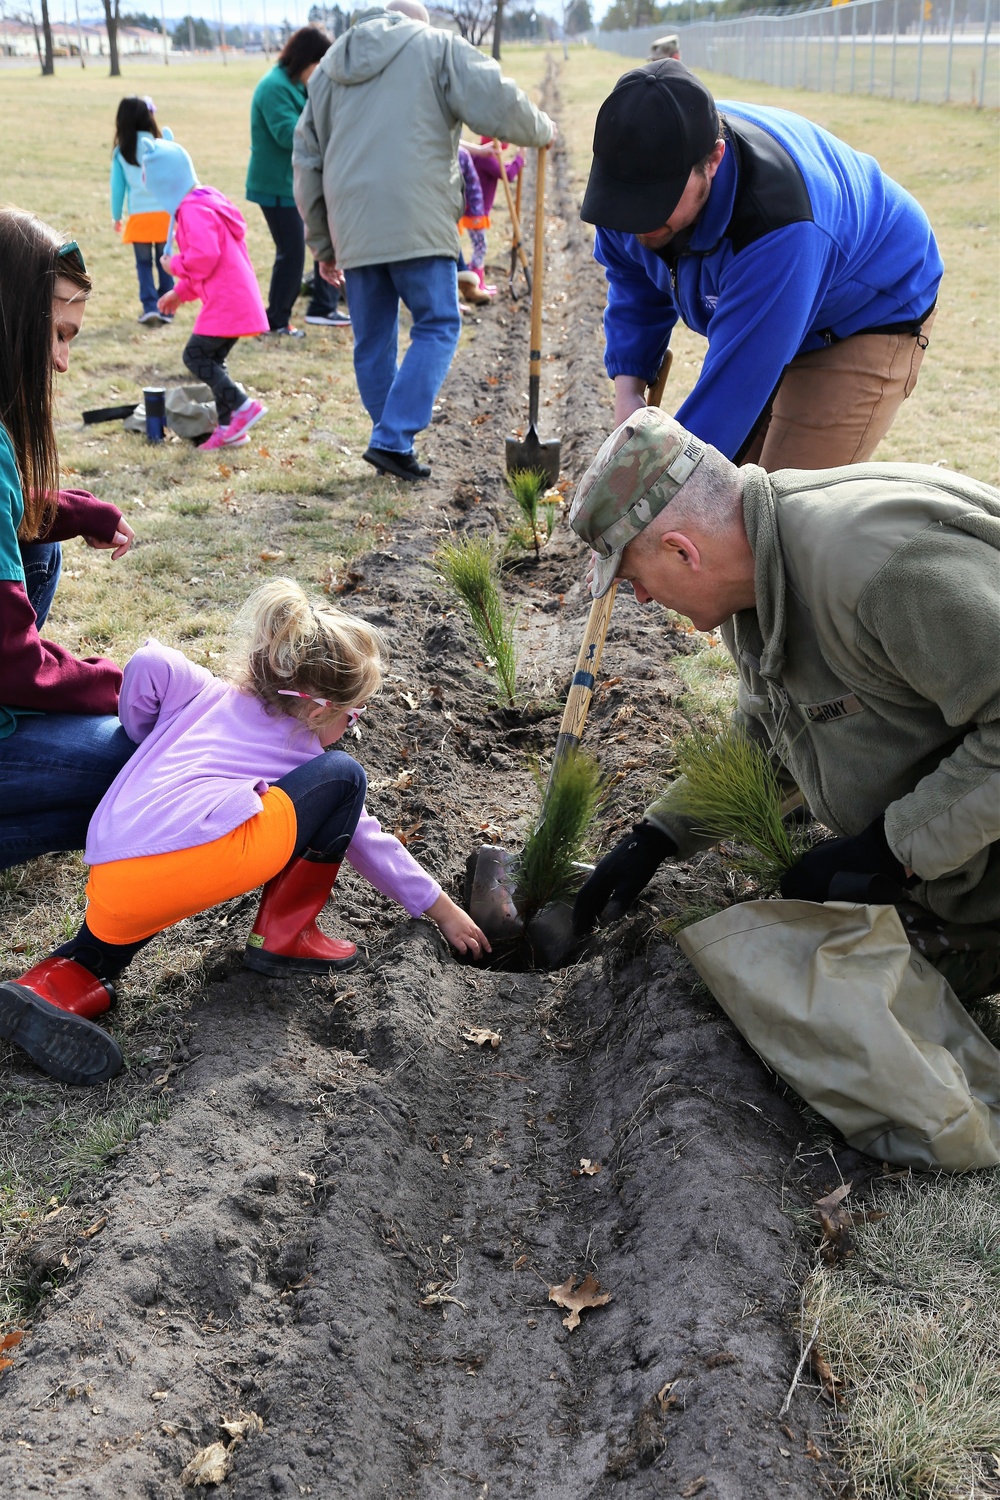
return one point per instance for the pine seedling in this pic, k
(527, 486)
(550, 511)
(731, 791)
(470, 567)
(545, 866)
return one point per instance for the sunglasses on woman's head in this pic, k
(353, 714)
(69, 248)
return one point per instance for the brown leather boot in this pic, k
(285, 938)
(48, 1011)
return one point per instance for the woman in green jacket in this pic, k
(278, 101)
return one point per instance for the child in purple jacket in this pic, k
(229, 789)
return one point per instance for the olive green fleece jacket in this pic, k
(870, 665)
(376, 150)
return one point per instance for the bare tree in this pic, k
(472, 17)
(48, 61)
(497, 30)
(112, 15)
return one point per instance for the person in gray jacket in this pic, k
(377, 182)
(860, 607)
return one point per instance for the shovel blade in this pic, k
(530, 452)
(490, 872)
(551, 936)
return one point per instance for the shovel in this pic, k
(530, 452)
(494, 874)
(517, 247)
(492, 869)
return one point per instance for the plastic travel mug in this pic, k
(154, 400)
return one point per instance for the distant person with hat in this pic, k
(665, 46)
(813, 276)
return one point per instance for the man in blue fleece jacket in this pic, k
(813, 276)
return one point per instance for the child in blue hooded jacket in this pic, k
(146, 230)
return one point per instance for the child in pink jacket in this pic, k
(210, 265)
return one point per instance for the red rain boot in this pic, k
(47, 1013)
(285, 938)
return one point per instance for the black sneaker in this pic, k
(402, 465)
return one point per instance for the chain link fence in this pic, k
(933, 51)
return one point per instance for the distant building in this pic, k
(17, 39)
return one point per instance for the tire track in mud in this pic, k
(350, 1219)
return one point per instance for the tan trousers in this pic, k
(835, 405)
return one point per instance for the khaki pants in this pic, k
(835, 405)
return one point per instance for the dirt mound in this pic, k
(351, 1218)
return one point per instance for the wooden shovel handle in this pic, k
(515, 217)
(581, 689)
(654, 392)
(535, 360)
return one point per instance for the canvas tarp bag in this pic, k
(834, 999)
(190, 412)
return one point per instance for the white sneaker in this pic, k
(337, 319)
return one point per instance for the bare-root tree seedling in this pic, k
(470, 567)
(546, 865)
(527, 486)
(731, 791)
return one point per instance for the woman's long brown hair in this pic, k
(29, 265)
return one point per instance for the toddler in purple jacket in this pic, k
(229, 789)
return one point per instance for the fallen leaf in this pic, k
(409, 700)
(713, 1361)
(587, 1168)
(95, 1228)
(245, 1424)
(821, 1367)
(482, 1036)
(694, 1488)
(784, 1452)
(209, 1466)
(812, 1450)
(158, 1395)
(11, 1340)
(666, 1396)
(269, 557)
(837, 1222)
(577, 1298)
(5, 1364)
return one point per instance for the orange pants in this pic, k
(132, 899)
(835, 405)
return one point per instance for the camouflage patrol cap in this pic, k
(637, 472)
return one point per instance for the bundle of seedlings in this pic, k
(730, 790)
(548, 866)
(470, 567)
(527, 486)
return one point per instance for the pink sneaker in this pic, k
(216, 439)
(243, 419)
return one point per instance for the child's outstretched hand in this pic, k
(169, 303)
(458, 927)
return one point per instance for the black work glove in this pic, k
(822, 874)
(621, 875)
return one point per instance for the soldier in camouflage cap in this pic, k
(859, 605)
(637, 472)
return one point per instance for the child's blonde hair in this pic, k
(290, 644)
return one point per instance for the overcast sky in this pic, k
(235, 12)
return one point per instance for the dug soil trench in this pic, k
(350, 1218)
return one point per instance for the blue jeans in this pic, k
(145, 266)
(54, 768)
(400, 400)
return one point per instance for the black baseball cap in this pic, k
(657, 123)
